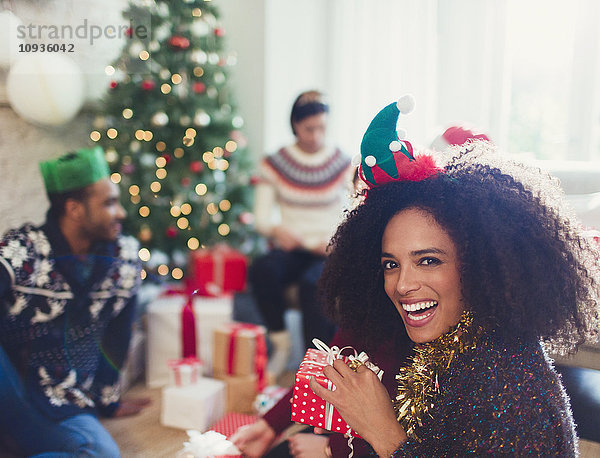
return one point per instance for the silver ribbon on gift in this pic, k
(334, 353)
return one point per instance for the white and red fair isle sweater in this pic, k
(67, 331)
(309, 190)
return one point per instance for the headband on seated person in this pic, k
(309, 109)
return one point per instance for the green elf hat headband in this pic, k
(386, 155)
(74, 170)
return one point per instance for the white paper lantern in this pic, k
(9, 38)
(46, 88)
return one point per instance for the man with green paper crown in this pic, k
(67, 301)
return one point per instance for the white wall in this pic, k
(244, 24)
(296, 60)
(282, 49)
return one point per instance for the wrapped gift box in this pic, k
(268, 397)
(195, 406)
(164, 341)
(216, 271)
(231, 421)
(184, 371)
(241, 391)
(239, 349)
(307, 407)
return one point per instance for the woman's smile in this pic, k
(421, 275)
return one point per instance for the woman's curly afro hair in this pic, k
(525, 268)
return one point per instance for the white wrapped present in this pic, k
(164, 338)
(196, 406)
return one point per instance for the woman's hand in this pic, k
(286, 239)
(308, 445)
(254, 440)
(363, 402)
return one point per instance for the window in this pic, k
(554, 79)
(527, 72)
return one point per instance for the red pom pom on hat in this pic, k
(457, 134)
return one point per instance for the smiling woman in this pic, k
(421, 274)
(479, 266)
(470, 266)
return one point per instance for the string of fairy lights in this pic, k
(155, 153)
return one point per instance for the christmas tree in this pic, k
(171, 134)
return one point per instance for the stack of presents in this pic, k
(212, 370)
(206, 364)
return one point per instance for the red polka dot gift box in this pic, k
(307, 407)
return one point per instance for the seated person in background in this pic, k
(67, 301)
(308, 182)
(472, 268)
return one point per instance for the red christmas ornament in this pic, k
(166, 157)
(129, 32)
(199, 87)
(113, 84)
(178, 42)
(196, 166)
(185, 182)
(171, 232)
(254, 180)
(148, 85)
(219, 32)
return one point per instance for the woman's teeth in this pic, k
(417, 306)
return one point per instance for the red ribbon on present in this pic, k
(188, 323)
(218, 253)
(176, 364)
(260, 356)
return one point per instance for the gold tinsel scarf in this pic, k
(418, 382)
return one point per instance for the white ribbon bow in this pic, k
(334, 353)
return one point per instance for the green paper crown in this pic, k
(74, 170)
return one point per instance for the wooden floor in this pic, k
(143, 436)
